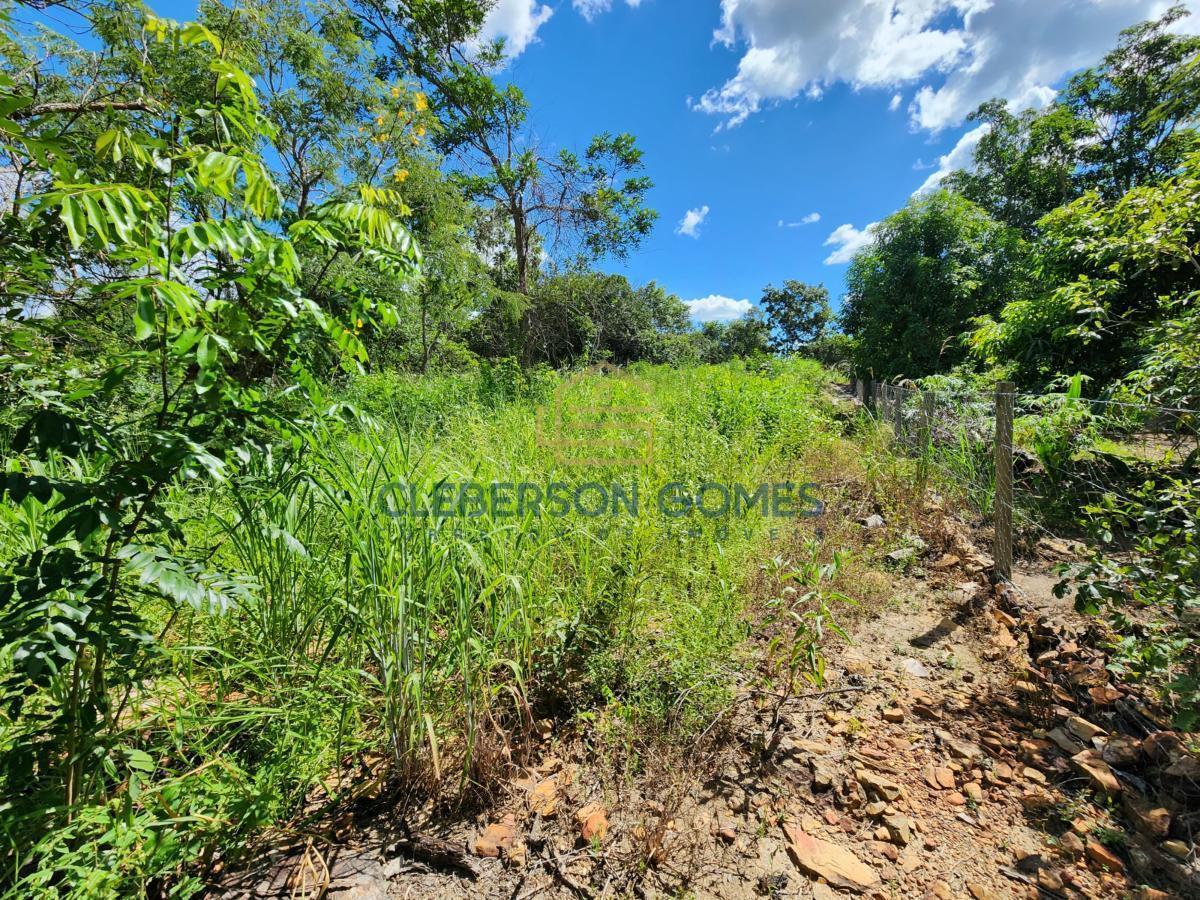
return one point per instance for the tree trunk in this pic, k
(424, 339)
(521, 242)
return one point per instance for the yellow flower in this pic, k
(420, 103)
(395, 92)
(401, 175)
(379, 121)
(419, 131)
(360, 324)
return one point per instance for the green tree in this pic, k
(1110, 272)
(1139, 107)
(746, 337)
(168, 223)
(435, 311)
(1126, 122)
(798, 314)
(584, 315)
(454, 280)
(933, 267)
(336, 124)
(590, 205)
(1024, 166)
(312, 67)
(718, 342)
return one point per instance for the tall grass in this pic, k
(955, 451)
(366, 644)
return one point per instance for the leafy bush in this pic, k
(806, 620)
(1145, 579)
(833, 350)
(1168, 373)
(202, 274)
(1057, 428)
(1110, 270)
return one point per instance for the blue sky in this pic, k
(756, 112)
(635, 69)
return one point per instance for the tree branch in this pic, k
(50, 109)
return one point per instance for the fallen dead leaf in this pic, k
(593, 822)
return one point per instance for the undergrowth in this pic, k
(361, 625)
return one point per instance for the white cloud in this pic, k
(895, 103)
(1022, 47)
(517, 21)
(846, 241)
(962, 156)
(807, 220)
(803, 47)
(958, 52)
(692, 220)
(715, 308)
(589, 9)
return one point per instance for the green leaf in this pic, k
(138, 760)
(206, 352)
(81, 522)
(144, 315)
(194, 33)
(75, 220)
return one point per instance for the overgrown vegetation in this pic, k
(331, 465)
(233, 564)
(1065, 260)
(334, 615)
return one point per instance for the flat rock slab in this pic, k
(837, 865)
(1090, 763)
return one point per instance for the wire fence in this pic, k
(1039, 469)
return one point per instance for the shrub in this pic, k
(1144, 577)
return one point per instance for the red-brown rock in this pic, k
(837, 865)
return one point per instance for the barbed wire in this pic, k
(1072, 455)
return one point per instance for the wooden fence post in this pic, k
(898, 413)
(927, 413)
(858, 391)
(1002, 549)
